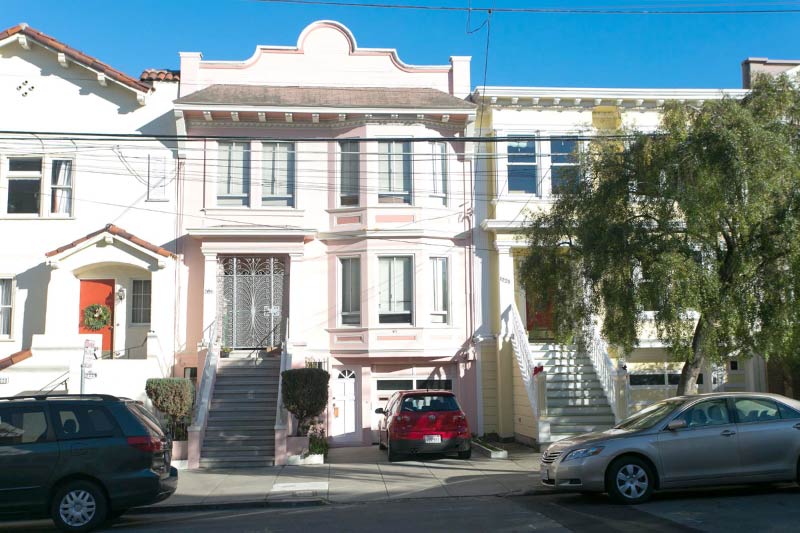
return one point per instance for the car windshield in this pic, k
(429, 402)
(650, 416)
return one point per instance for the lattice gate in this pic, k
(251, 301)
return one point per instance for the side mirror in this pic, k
(678, 423)
(380, 411)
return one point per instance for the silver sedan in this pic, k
(687, 441)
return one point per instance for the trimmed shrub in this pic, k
(174, 398)
(304, 392)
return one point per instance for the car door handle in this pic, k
(79, 449)
(728, 433)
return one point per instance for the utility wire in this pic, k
(734, 10)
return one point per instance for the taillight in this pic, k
(146, 444)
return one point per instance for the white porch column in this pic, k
(63, 290)
(209, 292)
(298, 293)
(506, 284)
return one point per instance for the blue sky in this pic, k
(524, 49)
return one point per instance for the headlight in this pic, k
(583, 452)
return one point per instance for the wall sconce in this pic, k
(121, 294)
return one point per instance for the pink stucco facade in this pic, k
(282, 100)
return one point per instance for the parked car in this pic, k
(81, 459)
(687, 441)
(423, 421)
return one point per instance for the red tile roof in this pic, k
(75, 55)
(14, 358)
(160, 74)
(119, 232)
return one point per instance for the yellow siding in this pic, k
(524, 421)
(489, 384)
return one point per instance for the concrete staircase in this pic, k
(576, 402)
(241, 422)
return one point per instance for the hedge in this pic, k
(172, 396)
(304, 392)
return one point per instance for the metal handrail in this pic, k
(206, 388)
(270, 334)
(55, 383)
(280, 415)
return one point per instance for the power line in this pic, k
(733, 10)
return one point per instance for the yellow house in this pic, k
(532, 138)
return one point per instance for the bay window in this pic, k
(564, 164)
(522, 168)
(350, 269)
(233, 174)
(277, 174)
(439, 161)
(349, 173)
(440, 308)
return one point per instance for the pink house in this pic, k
(327, 212)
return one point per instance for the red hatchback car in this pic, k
(423, 421)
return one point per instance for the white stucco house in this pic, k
(88, 217)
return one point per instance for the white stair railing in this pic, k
(535, 382)
(613, 379)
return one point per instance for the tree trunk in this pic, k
(691, 368)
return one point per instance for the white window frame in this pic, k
(340, 293)
(132, 297)
(157, 177)
(340, 171)
(537, 165)
(246, 177)
(46, 188)
(440, 171)
(12, 290)
(291, 179)
(411, 312)
(440, 293)
(393, 192)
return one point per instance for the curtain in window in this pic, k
(277, 178)
(61, 187)
(233, 174)
(394, 168)
(395, 288)
(5, 307)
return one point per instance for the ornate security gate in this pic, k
(251, 301)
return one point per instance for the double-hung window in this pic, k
(233, 174)
(349, 173)
(277, 174)
(157, 178)
(564, 164)
(439, 174)
(395, 300)
(522, 168)
(350, 268)
(394, 172)
(61, 187)
(24, 185)
(440, 293)
(140, 301)
(6, 304)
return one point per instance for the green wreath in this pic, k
(96, 316)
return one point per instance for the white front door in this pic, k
(343, 415)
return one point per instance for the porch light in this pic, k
(121, 294)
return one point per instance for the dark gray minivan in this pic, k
(80, 459)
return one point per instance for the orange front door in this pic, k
(98, 291)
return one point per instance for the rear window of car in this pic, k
(22, 425)
(147, 419)
(429, 402)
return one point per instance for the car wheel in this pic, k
(78, 506)
(466, 454)
(389, 452)
(630, 480)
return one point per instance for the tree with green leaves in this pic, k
(698, 222)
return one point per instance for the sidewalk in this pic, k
(358, 474)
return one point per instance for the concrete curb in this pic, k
(222, 506)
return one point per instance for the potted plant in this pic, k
(173, 397)
(225, 351)
(304, 392)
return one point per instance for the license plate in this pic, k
(433, 439)
(545, 474)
